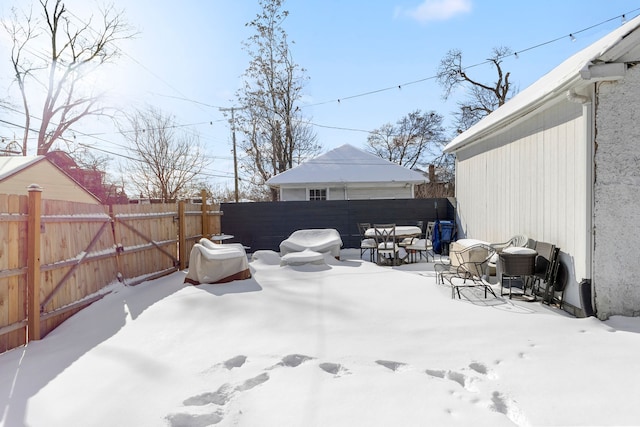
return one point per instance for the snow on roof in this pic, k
(12, 164)
(346, 164)
(557, 81)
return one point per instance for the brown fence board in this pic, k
(13, 257)
(193, 226)
(153, 246)
(68, 230)
(78, 256)
(16, 312)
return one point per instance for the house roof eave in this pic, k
(361, 184)
(570, 74)
(504, 121)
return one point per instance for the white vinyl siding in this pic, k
(530, 179)
(293, 194)
(380, 193)
(405, 191)
(336, 193)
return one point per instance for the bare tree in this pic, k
(75, 48)
(164, 163)
(482, 98)
(275, 135)
(410, 140)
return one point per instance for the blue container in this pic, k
(442, 236)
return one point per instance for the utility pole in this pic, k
(235, 155)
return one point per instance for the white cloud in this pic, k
(437, 10)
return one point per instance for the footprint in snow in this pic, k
(253, 382)
(191, 420)
(436, 373)
(498, 403)
(218, 397)
(466, 382)
(481, 368)
(292, 361)
(394, 366)
(502, 404)
(335, 369)
(235, 362)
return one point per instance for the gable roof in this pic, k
(614, 46)
(346, 164)
(11, 165)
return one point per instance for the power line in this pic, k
(191, 100)
(337, 100)
(571, 35)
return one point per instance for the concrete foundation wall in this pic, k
(617, 197)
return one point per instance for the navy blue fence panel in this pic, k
(263, 225)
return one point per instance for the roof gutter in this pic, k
(515, 116)
(610, 71)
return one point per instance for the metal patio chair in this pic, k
(387, 247)
(422, 246)
(366, 243)
(471, 269)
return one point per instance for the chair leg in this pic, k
(490, 290)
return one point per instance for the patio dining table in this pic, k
(402, 232)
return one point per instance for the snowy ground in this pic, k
(345, 344)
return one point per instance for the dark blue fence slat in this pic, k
(263, 225)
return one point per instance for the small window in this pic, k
(318, 194)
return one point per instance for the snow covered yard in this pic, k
(343, 344)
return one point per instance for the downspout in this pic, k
(589, 129)
(574, 97)
(592, 136)
(589, 132)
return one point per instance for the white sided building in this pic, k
(346, 173)
(560, 163)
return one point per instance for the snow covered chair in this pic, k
(305, 257)
(323, 240)
(216, 263)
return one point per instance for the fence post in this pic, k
(33, 262)
(182, 235)
(205, 216)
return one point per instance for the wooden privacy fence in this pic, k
(57, 257)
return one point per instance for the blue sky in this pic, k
(188, 59)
